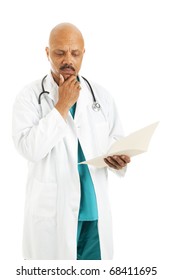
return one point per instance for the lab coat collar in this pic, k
(84, 100)
(51, 86)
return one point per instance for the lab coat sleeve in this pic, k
(34, 137)
(115, 129)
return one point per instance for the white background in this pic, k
(129, 51)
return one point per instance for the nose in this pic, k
(67, 59)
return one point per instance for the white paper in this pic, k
(132, 145)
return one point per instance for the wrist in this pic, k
(62, 109)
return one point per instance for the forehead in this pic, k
(66, 45)
(64, 40)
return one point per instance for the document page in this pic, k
(131, 145)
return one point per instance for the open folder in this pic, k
(132, 145)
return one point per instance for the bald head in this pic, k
(65, 31)
(65, 50)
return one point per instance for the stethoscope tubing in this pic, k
(92, 92)
(43, 90)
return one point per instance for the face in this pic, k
(65, 54)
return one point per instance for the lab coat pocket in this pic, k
(102, 133)
(43, 199)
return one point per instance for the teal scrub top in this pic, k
(88, 204)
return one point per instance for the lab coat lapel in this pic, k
(83, 102)
(52, 88)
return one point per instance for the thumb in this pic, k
(61, 80)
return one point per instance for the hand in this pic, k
(68, 94)
(69, 90)
(117, 161)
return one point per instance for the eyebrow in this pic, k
(59, 50)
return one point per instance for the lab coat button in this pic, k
(75, 209)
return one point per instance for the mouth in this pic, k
(68, 70)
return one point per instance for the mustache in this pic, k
(67, 66)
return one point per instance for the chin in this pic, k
(66, 76)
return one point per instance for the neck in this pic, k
(56, 79)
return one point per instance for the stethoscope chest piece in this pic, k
(96, 106)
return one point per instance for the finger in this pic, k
(74, 83)
(118, 160)
(125, 158)
(78, 86)
(70, 79)
(112, 164)
(61, 80)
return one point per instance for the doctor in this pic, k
(67, 212)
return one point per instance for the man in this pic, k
(67, 213)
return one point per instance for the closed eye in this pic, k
(59, 53)
(75, 53)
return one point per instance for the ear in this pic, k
(47, 52)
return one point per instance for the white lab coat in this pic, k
(49, 143)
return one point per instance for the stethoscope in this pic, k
(95, 106)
